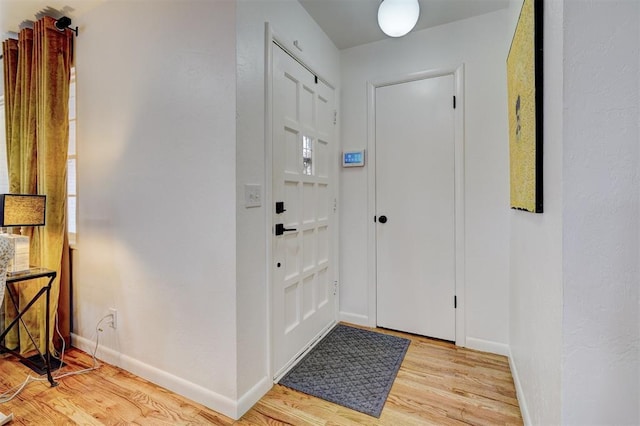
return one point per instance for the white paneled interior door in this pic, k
(415, 206)
(304, 166)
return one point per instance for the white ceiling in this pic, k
(347, 22)
(351, 23)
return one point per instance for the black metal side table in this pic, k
(12, 281)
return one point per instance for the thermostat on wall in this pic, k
(353, 158)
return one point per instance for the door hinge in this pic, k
(335, 205)
(455, 302)
(335, 287)
(335, 117)
(454, 102)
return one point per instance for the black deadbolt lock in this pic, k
(382, 219)
(280, 207)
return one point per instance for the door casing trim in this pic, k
(458, 77)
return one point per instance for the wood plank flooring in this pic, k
(438, 384)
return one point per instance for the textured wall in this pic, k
(291, 22)
(156, 173)
(535, 329)
(574, 270)
(600, 219)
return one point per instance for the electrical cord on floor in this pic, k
(15, 391)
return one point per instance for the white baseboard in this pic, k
(253, 395)
(195, 392)
(522, 402)
(356, 319)
(487, 346)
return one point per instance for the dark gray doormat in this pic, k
(351, 367)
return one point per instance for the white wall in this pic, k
(574, 269)
(536, 253)
(291, 22)
(600, 216)
(156, 172)
(480, 44)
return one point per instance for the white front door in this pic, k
(415, 206)
(304, 166)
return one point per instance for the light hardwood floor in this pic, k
(438, 384)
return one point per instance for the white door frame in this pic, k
(458, 76)
(271, 38)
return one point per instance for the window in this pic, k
(71, 158)
(307, 155)
(72, 188)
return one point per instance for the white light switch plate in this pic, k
(252, 195)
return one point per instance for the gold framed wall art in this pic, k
(524, 85)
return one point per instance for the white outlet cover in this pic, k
(252, 195)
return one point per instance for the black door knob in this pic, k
(382, 219)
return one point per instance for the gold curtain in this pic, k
(37, 69)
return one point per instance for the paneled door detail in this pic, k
(415, 204)
(303, 293)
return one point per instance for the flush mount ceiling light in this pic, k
(397, 17)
